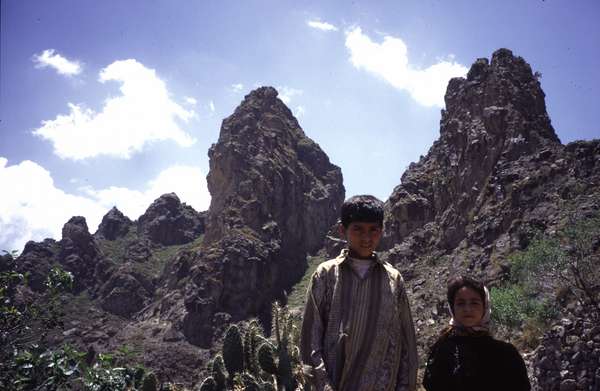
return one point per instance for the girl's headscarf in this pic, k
(484, 325)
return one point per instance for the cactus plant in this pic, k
(266, 386)
(254, 363)
(208, 384)
(266, 358)
(150, 383)
(233, 351)
(218, 373)
(251, 344)
(249, 382)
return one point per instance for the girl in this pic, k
(466, 357)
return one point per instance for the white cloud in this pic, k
(36, 209)
(188, 182)
(324, 26)
(143, 113)
(49, 58)
(237, 87)
(211, 106)
(191, 101)
(299, 112)
(287, 93)
(389, 60)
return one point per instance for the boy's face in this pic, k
(363, 238)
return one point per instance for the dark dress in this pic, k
(468, 363)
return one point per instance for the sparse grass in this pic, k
(161, 256)
(117, 249)
(297, 296)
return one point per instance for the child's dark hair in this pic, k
(458, 282)
(362, 208)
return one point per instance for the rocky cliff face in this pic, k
(175, 277)
(274, 195)
(266, 175)
(494, 117)
(114, 225)
(167, 221)
(497, 176)
(497, 172)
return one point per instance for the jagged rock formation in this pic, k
(497, 172)
(274, 195)
(114, 225)
(265, 171)
(79, 252)
(167, 221)
(37, 260)
(497, 176)
(493, 117)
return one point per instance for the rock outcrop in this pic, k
(79, 252)
(494, 117)
(114, 225)
(274, 195)
(496, 177)
(167, 221)
(37, 259)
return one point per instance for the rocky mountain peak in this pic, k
(502, 100)
(274, 196)
(265, 170)
(493, 118)
(79, 251)
(114, 225)
(168, 221)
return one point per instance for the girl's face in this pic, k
(468, 307)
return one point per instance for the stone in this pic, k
(274, 196)
(124, 294)
(79, 252)
(114, 225)
(167, 221)
(568, 385)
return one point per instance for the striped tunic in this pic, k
(357, 333)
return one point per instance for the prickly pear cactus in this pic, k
(208, 384)
(254, 363)
(150, 383)
(233, 351)
(218, 373)
(266, 358)
(251, 341)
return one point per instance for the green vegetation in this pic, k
(297, 296)
(566, 262)
(512, 306)
(116, 250)
(28, 362)
(252, 362)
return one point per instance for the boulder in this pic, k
(114, 225)
(168, 221)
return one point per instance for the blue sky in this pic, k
(113, 102)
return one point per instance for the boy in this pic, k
(357, 330)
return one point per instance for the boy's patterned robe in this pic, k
(357, 333)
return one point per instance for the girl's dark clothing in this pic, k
(468, 363)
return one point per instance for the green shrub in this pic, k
(512, 306)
